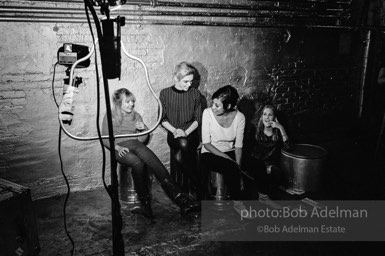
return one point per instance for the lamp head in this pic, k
(69, 53)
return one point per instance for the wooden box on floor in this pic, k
(18, 226)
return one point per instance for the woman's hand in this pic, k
(179, 133)
(268, 169)
(121, 150)
(276, 124)
(140, 126)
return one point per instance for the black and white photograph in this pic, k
(192, 127)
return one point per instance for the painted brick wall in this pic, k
(309, 74)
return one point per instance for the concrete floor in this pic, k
(89, 219)
(89, 224)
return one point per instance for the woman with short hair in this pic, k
(132, 152)
(222, 138)
(182, 115)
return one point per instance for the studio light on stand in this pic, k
(74, 56)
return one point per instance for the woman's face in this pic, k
(128, 104)
(268, 117)
(185, 83)
(217, 107)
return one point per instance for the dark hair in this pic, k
(228, 95)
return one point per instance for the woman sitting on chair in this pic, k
(267, 138)
(181, 118)
(132, 152)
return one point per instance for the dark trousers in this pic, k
(185, 155)
(138, 158)
(265, 182)
(229, 169)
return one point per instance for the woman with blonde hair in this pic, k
(265, 141)
(182, 115)
(132, 152)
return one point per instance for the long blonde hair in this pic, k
(117, 98)
(258, 123)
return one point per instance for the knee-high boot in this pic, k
(142, 189)
(145, 207)
(185, 203)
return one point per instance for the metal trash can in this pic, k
(303, 166)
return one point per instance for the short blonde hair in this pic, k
(183, 69)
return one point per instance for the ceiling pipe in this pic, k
(74, 15)
(186, 23)
(263, 16)
(255, 6)
(255, 14)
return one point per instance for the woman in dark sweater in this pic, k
(264, 143)
(182, 115)
(132, 152)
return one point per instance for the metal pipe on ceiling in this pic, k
(75, 11)
(277, 14)
(236, 6)
(253, 6)
(180, 23)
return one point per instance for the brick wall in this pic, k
(314, 81)
(312, 75)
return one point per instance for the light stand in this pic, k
(110, 54)
(111, 69)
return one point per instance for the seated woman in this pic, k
(222, 139)
(263, 150)
(132, 152)
(181, 118)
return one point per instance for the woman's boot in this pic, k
(145, 207)
(142, 184)
(185, 203)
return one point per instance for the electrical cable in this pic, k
(53, 82)
(100, 36)
(88, 7)
(117, 222)
(61, 128)
(118, 135)
(59, 141)
(62, 169)
(67, 195)
(118, 245)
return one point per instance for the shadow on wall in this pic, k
(200, 80)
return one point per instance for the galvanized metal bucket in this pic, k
(303, 166)
(127, 193)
